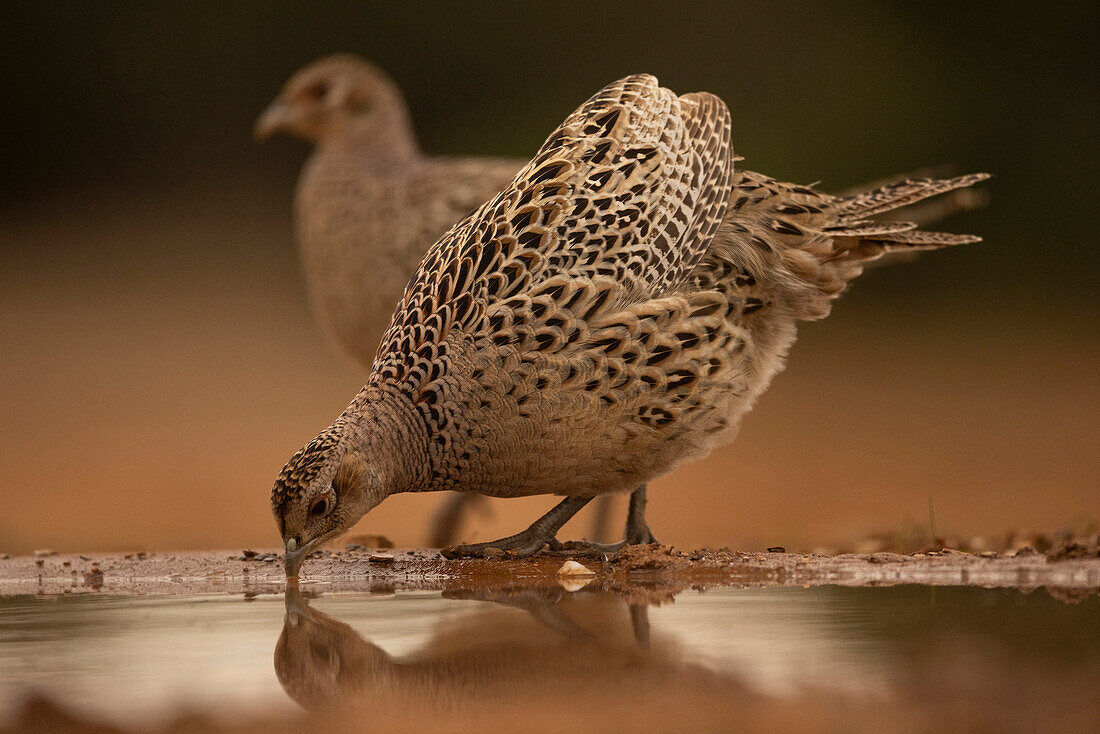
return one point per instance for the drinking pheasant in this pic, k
(615, 310)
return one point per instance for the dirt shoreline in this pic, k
(654, 567)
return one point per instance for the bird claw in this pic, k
(516, 546)
(640, 535)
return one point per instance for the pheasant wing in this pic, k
(626, 194)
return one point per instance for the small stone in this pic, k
(572, 568)
(249, 553)
(777, 549)
(44, 552)
(66, 564)
(381, 558)
(39, 562)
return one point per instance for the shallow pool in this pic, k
(144, 659)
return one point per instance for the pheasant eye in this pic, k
(319, 508)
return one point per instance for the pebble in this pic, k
(572, 568)
(381, 558)
(44, 552)
(777, 549)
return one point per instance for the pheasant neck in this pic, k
(386, 138)
(391, 435)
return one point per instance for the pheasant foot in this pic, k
(637, 532)
(539, 535)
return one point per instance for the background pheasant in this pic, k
(369, 202)
(616, 309)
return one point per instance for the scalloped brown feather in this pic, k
(613, 311)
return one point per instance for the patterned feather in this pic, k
(613, 311)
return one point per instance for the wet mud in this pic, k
(1072, 568)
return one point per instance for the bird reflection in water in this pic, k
(544, 643)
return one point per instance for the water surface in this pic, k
(135, 660)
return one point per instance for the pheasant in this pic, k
(615, 310)
(369, 203)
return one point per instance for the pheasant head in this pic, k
(340, 99)
(322, 491)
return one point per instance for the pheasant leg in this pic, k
(541, 533)
(601, 518)
(637, 531)
(444, 526)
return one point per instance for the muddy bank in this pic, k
(1075, 571)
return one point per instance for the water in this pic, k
(994, 654)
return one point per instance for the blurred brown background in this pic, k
(158, 364)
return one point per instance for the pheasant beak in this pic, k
(293, 558)
(276, 117)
